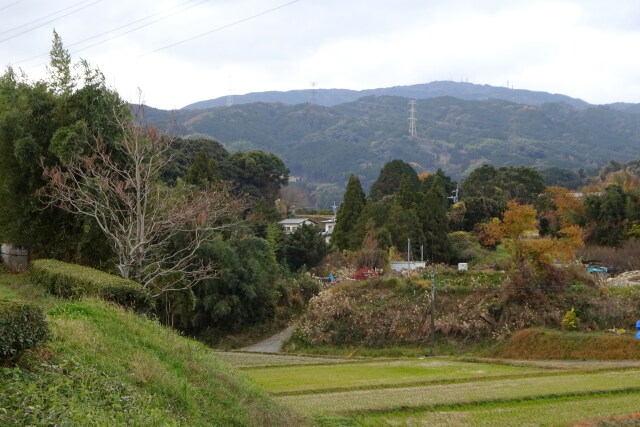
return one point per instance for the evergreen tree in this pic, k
(390, 178)
(43, 123)
(403, 224)
(406, 194)
(203, 172)
(448, 184)
(435, 224)
(305, 247)
(244, 293)
(348, 216)
(608, 214)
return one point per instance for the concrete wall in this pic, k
(404, 265)
(15, 257)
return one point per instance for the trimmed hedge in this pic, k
(22, 326)
(74, 281)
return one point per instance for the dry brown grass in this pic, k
(544, 344)
(620, 259)
(618, 420)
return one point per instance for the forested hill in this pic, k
(327, 144)
(331, 97)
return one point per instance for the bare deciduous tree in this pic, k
(117, 185)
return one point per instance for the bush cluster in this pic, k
(22, 326)
(74, 281)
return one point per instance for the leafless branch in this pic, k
(117, 185)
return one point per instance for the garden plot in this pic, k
(467, 393)
(249, 360)
(530, 413)
(445, 391)
(379, 374)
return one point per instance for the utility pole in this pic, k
(412, 118)
(334, 208)
(433, 311)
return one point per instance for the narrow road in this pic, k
(272, 344)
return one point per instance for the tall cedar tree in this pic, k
(435, 224)
(344, 236)
(390, 179)
(406, 194)
(403, 224)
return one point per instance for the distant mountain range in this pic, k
(506, 127)
(331, 97)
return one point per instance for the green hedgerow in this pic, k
(22, 326)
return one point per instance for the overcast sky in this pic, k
(182, 51)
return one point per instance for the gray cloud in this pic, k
(581, 48)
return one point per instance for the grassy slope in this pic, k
(550, 344)
(106, 366)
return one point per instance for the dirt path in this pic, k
(272, 344)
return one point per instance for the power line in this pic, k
(121, 27)
(10, 4)
(17, 27)
(47, 22)
(220, 28)
(137, 28)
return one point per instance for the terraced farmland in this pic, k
(445, 391)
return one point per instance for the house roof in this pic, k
(294, 221)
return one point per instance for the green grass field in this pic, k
(447, 391)
(107, 366)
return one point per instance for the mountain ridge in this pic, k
(332, 97)
(324, 145)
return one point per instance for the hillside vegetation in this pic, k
(472, 309)
(326, 144)
(106, 366)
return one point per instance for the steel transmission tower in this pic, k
(412, 118)
(314, 85)
(230, 95)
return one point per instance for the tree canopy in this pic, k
(391, 177)
(348, 215)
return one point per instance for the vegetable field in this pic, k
(447, 391)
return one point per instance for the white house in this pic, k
(327, 227)
(291, 224)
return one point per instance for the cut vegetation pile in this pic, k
(470, 307)
(106, 366)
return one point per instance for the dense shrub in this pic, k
(74, 281)
(469, 306)
(616, 259)
(22, 326)
(465, 247)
